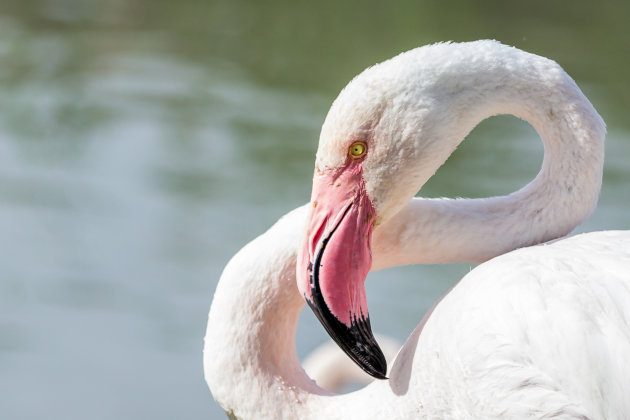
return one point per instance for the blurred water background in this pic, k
(142, 143)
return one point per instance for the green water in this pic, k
(142, 143)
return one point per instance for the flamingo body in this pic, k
(542, 329)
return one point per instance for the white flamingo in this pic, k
(539, 332)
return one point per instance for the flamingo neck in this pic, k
(560, 197)
(250, 359)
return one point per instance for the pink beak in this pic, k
(334, 262)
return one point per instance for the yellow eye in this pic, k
(357, 149)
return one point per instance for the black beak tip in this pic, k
(361, 346)
(373, 364)
(357, 341)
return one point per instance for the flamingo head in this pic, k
(372, 158)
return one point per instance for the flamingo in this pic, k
(535, 331)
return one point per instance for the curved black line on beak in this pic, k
(357, 342)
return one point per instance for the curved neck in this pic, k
(562, 195)
(250, 361)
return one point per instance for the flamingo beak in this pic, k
(334, 262)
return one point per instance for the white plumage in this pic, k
(539, 332)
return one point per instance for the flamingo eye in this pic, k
(357, 149)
